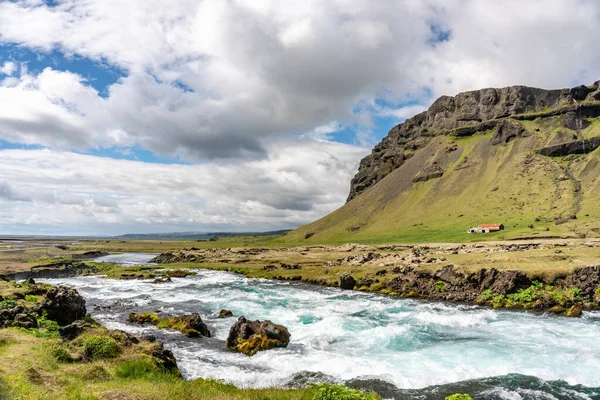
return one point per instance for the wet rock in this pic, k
(307, 378)
(249, 337)
(225, 313)
(190, 325)
(347, 282)
(162, 279)
(574, 311)
(63, 305)
(556, 310)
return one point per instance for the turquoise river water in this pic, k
(404, 349)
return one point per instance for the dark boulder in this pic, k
(225, 313)
(71, 331)
(162, 279)
(194, 326)
(63, 305)
(24, 320)
(249, 337)
(347, 282)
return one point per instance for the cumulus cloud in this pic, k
(209, 79)
(299, 181)
(220, 82)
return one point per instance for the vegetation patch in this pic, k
(338, 392)
(100, 347)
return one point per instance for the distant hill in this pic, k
(524, 157)
(198, 235)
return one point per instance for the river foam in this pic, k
(344, 334)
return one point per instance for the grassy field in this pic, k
(29, 370)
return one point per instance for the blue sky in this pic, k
(120, 117)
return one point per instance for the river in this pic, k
(406, 349)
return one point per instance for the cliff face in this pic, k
(471, 112)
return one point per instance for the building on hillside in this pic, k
(492, 227)
(486, 228)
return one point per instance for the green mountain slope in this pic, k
(483, 171)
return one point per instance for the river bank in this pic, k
(559, 277)
(50, 349)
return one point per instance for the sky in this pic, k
(228, 115)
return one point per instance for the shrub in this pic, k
(524, 295)
(459, 396)
(337, 392)
(487, 295)
(440, 286)
(32, 299)
(99, 346)
(60, 353)
(498, 301)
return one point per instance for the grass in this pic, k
(33, 368)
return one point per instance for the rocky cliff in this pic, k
(471, 112)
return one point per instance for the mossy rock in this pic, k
(459, 396)
(190, 325)
(144, 318)
(556, 310)
(574, 311)
(256, 343)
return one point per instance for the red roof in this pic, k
(490, 225)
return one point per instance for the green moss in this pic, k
(32, 299)
(338, 392)
(254, 344)
(7, 304)
(487, 295)
(100, 346)
(498, 301)
(440, 286)
(459, 396)
(144, 318)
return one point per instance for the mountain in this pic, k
(520, 156)
(198, 235)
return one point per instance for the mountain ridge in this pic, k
(525, 157)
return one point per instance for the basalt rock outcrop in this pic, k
(468, 113)
(249, 337)
(63, 305)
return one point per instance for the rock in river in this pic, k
(249, 337)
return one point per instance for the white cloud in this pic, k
(8, 68)
(299, 181)
(220, 81)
